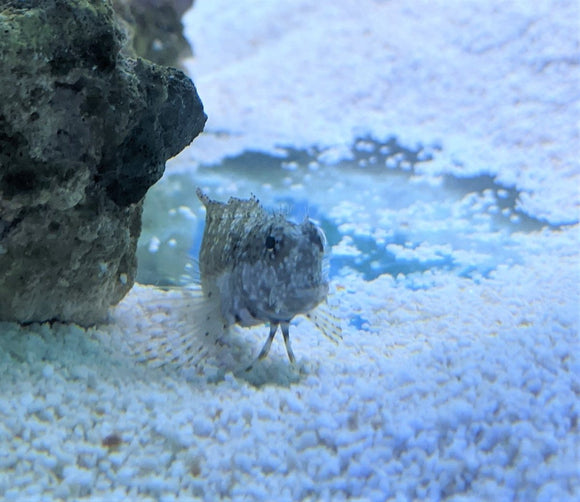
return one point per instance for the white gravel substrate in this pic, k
(461, 392)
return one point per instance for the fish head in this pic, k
(285, 274)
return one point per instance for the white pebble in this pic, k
(78, 476)
(154, 245)
(47, 371)
(202, 427)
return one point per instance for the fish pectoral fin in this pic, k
(326, 322)
(177, 327)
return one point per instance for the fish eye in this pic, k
(270, 243)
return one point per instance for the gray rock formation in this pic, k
(155, 28)
(84, 132)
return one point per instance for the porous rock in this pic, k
(85, 130)
(155, 28)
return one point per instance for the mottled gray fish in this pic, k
(255, 268)
(263, 268)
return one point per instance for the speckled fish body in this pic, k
(263, 267)
(255, 268)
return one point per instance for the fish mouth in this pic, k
(300, 302)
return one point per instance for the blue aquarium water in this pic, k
(379, 213)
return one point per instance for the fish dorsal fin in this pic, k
(205, 200)
(326, 322)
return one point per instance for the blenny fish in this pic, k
(255, 268)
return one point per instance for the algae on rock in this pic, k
(85, 130)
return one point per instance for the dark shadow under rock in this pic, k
(84, 132)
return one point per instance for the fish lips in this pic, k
(299, 302)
